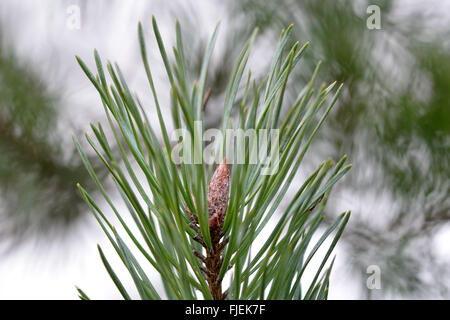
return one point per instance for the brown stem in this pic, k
(212, 263)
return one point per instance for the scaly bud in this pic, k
(218, 194)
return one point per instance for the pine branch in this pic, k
(194, 233)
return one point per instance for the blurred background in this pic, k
(392, 120)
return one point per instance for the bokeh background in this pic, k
(392, 120)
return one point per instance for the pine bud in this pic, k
(218, 194)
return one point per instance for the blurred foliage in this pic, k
(38, 171)
(392, 120)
